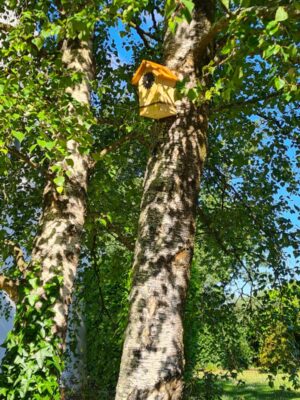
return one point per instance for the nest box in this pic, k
(156, 85)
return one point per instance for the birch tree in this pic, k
(44, 288)
(153, 354)
(152, 361)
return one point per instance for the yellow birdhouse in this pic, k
(156, 85)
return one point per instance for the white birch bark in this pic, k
(57, 246)
(153, 355)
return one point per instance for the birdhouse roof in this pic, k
(157, 69)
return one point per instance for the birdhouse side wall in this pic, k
(158, 101)
(148, 96)
(160, 92)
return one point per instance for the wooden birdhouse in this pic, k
(156, 85)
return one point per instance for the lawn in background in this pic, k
(256, 387)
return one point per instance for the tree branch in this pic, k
(269, 232)
(153, 19)
(22, 157)
(242, 103)
(10, 287)
(18, 256)
(260, 11)
(225, 9)
(141, 31)
(217, 237)
(116, 231)
(28, 161)
(274, 121)
(114, 146)
(142, 34)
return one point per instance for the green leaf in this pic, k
(38, 41)
(279, 83)
(59, 180)
(208, 95)
(32, 299)
(226, 3)
(281, 14)
(189, 5)
(18, 135)
(59, 189)
(34, 283)
(103, 221)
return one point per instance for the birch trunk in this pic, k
(57, 246)
(153, 355)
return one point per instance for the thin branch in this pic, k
(225, 9)
(153, 19)
(116, 231)
(274, 121)
(242, 103)
(145, 33)
(114, 146)
(217, 237)
(28, 161)
(260, 11)
(142, 34)
(22, 157)
(270, 233)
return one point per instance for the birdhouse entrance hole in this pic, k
(148, 80)
(156, 86)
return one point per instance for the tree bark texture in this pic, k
(57, 246)
(153, 355)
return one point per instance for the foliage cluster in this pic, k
(33, 362)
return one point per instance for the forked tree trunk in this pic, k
(57, 246)
(153, 355)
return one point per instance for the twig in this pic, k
(274, 121)
(28, 161)
(222, 23)
(215, 234)
(225, 9)
(116, 231)
(143, 34)
(22, 156)
(114, 146)
(153, 19)
(242, 103)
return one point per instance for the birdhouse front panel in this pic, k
(156, 86)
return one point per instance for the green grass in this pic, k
(256, 388)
